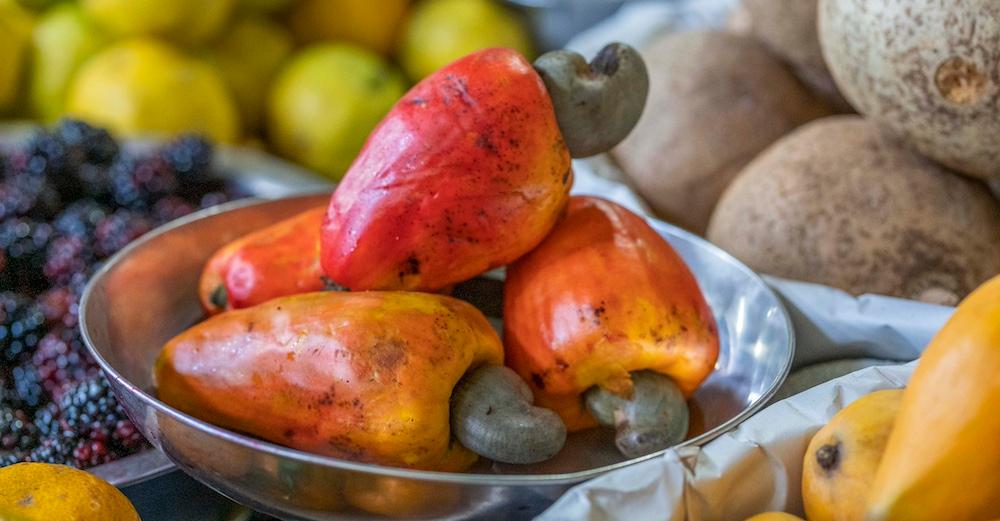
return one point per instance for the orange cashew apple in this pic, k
(608, 325)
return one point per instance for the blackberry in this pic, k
(118, 229)
(137, 182)
(24, 389)
(27, 195)
(17, 430)
(67, 256)
(171, 207)
(88, 144)
(22, 325)
(190, 156)
(55, 450)
(87, 426)
(80, 219)
(59, 302)
(23, 242)
(61, 359)
(47, 155)
(10, 458)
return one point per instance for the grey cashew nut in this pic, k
(596, 104)
(654, 418)
(492, 415)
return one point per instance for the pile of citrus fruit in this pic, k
(310, 78)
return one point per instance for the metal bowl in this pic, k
(147, 294)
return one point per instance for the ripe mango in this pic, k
(842, 457)
(942, 460)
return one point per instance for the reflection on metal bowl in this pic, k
(147, 294)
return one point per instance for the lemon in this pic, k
(146, 86)
(247, 56)
(370, 24)
(441, 31)
(326, 101)
(63, 39)
(15, 39)
(44, 492)
(183, 21)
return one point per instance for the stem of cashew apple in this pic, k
(653, 418)
(492, 415)
(596, 104)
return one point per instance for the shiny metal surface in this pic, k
(554, 22)
(147, 294)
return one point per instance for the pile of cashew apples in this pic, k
(333, 332)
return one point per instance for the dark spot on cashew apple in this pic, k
(492, 415)
(219, 297)
(653, 418)
(596, 104)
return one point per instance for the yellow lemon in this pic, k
(15, 39)
(441, 31)
(370, 24)
(326, 101)
(146, 86)
(44, 492)
(184, 21)
(63, 39)
(247, 56)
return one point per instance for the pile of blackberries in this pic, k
(70, 198)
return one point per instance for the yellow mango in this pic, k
(842, 458)
(942, 460)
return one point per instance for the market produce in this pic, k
(63, 39)
(69, 199)
(942, 458)
(788, 29)
(15, 26)
(840, 463)
(839, 203)
(185, 21)
(44, 492)
(466, 173)
(439, 32)
(143, 86)
(924, 71)
(277, 261)
(607, 324)
(248, 56)
(400, 497)
(599, 103)
(326, 100)
(375, 388)
(715, 101)
(353, 21)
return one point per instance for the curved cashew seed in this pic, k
(492, 415)
(596, 104)
(654, 418)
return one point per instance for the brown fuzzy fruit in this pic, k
(715, 101)
(837, 202)
(925, 70)
(788, 29)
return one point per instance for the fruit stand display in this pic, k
(458, 319)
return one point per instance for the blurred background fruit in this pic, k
(41, 491)
(326, 101)
(440, 31)
(348, 20)
(247, 56)
(64, 38)
(187, 21)
(145, 86)
(213, 66)
(15, 26)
